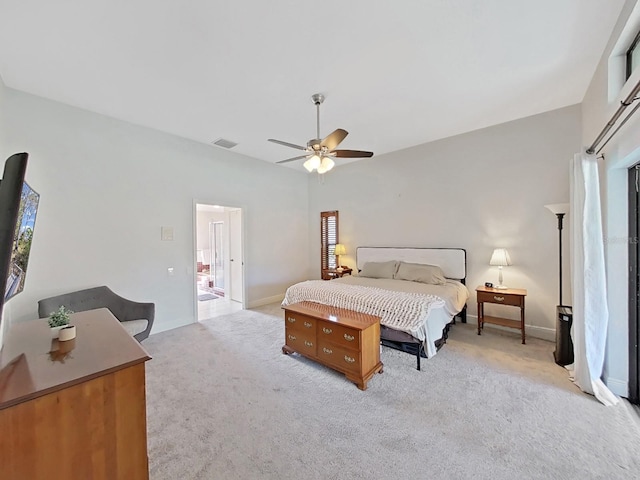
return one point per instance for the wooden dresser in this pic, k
(75, 409)
(346, 341)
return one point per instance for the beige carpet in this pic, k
(225, 403)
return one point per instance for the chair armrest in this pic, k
(125, 310)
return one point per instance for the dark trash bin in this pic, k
(564, 345)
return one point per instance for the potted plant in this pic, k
(59, 319)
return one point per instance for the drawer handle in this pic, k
(498, 299)
(349, 359)
(308, 344)
(308, 324)
(291, 319)
(349, 338)
(291, 337)
(327, 350)
(326, 330)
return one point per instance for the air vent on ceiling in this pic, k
(221, 142)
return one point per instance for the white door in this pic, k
(235, 256)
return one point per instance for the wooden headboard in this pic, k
(452, 261)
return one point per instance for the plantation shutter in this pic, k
(328, 240)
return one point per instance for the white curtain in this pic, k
(590, 312)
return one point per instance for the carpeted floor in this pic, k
(225, 403)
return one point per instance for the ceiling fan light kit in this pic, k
(320, 153)
(326, 165)
(313, 163)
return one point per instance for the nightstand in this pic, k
(331, 273)
(509, 296)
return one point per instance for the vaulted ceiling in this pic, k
(395, 74)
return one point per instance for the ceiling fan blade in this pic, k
(292, 159)
(287, 144)
(332, 140)
(351, 154)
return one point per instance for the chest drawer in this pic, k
(301, 340)
(339, 335)
(339, 356)
(500, 298)
(341, 339)
(296, 321)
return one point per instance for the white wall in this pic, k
(477, 191)
(602, 99)
(107, 187)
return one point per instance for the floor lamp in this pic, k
(564, 314)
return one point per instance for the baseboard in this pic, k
(617, 386)
(265, 301)
(164, 326)
(534, 331)
(543, 333)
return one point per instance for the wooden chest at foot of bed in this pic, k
(346, 341)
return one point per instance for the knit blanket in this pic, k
(403, 311)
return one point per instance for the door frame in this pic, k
(194, 252)
(634, 285)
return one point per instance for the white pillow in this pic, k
(418, 272)
(379, 269)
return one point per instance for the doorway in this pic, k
(219, 272)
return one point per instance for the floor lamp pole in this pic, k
(560, 217)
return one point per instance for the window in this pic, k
(633, 56)
(328, 240)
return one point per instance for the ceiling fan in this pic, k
(320, 153)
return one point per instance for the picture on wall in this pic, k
(22, 241)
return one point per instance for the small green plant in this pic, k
(60, 317)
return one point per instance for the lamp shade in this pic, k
(500, 258)
(558, 208)
(312, 163)
(325, 165)
(340, 249)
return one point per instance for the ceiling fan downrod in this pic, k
(317, 98)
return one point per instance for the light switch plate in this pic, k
(166, 234)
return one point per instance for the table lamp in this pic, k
(500, 258)
(339, 250)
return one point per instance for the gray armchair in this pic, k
(136, 318)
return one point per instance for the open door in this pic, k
(236, 257)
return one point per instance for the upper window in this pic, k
(328, 241)
(633, 56)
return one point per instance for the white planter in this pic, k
(55, 331)
(68, 332)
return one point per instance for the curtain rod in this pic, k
(623, 106)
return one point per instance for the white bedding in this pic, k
(450, 299)
(454, 293)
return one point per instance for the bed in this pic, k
(396, 283)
